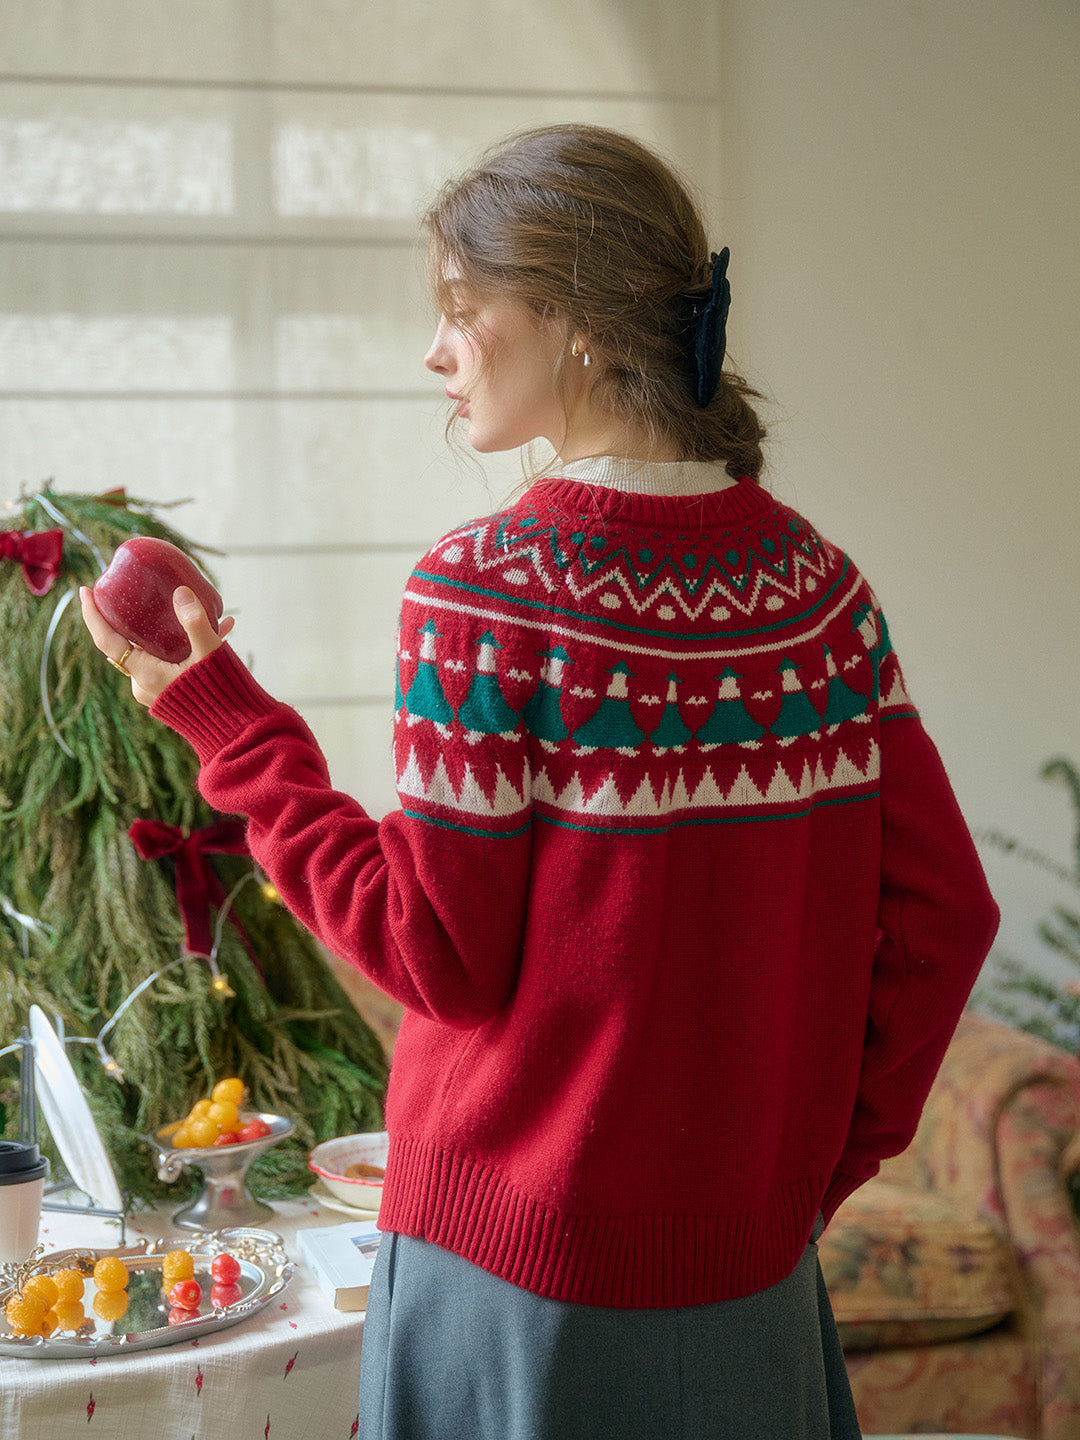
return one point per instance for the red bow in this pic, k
(197, 886)
(39, 552)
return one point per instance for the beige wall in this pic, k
(901, 185)
(209, 288)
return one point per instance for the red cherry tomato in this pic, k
(228, 1137)
(254, 1130)
(225, 1269)
(185, 1295)
(226, 1295)
(177, 1315)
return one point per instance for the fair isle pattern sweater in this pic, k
(678, 898)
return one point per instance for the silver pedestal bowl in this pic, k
(225, 1199)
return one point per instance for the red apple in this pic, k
(135, 595)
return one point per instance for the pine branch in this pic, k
(66, 861)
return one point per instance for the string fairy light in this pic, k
(27, 925)
(55, 513)
(219, 981)
(46, 650)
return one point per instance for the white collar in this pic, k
(648, 477)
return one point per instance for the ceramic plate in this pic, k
(331, 1160)
(322, 1196)
(68, 1116)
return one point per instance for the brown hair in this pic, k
(584, 224)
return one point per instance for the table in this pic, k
(290, 1372)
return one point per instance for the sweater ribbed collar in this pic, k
(680, 493)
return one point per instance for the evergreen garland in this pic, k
(83, 920)
(1049, 1010)
(1046, 1009)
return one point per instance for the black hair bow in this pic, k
(710, 336)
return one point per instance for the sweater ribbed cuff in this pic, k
(213, 702)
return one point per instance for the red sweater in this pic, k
(679, 900)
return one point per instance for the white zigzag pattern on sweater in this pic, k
(674, 797)
(485, 561)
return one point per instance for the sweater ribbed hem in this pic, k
(623, 1261)
(841, 1186)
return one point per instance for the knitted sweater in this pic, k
(679, 901)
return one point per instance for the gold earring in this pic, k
(574, 351)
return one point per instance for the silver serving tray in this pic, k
(265, 1270)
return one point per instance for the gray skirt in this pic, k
(453, 1353)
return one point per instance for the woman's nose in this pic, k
(437, 357)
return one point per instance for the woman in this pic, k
(679, 902)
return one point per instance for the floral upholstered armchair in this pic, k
(955, 1273)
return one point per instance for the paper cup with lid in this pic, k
(23, 1173)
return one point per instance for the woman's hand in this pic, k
(149, 675)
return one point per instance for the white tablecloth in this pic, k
(289, 1372)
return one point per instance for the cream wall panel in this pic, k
(357, 742)
(356, 472)
(210, 318)
(627, 46)
(351, 157)
(162, 451)
(260, 473)
(137, 160)
(68, 150)
(324, 627)
(66, 349)
(126, 38)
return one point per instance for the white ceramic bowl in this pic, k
(332, 1158)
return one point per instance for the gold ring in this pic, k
(121, 664)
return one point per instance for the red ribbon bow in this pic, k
(197, 886)
(39, 552)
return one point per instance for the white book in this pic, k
(341, 1257)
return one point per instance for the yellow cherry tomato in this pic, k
(231, 1088)
(110, 1304)
(110, 1273)
(49, 1323)
(70, 1314)
(225, 1115)
(24, 1314)
(44, 1287)
(202, 1133)
(199, 1110)
(177, 1265)
(69, 1285)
